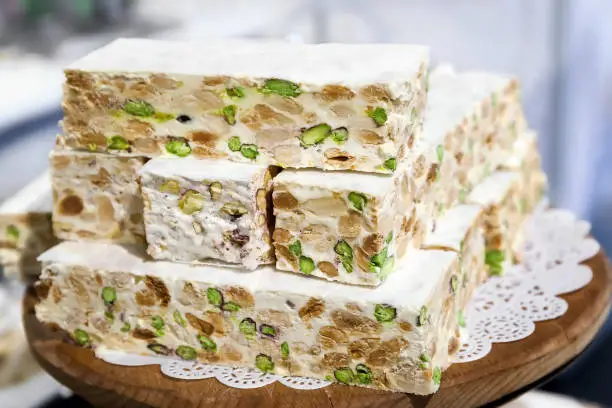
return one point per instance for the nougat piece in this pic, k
(398, 337)
(329, 106)
(500, 194)
(461, 229)
(96, 197)
(25, 229)
(23, 238)
(337, 225)
(202, 211)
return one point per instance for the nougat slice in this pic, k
(337, 225)
(96, 197)
(25, 229)
(200, 211)
(398, 337)
(500, 194)
(461, 230)
(329, 106)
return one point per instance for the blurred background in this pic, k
(559, 48)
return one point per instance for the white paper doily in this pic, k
(504, 309)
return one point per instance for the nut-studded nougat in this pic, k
(96, 197)
(330, 106)
(469, 128)
(25, 229)
(500, 194)
(338, 226)
(200, 211)
(398, 337)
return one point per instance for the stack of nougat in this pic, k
(310, 210)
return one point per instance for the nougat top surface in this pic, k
(493, 189)
(373, 184)
(411, 286)
(197, 169)
(453, 96)
(316, 64)
(452, 226)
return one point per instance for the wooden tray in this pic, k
(508, 371)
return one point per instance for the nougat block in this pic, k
(96, 197)
(202, 211)
(398, 337)
(461, 229)
(338, 225)
(329, 106)
(24, 237)
(25, 229)
(500, 194)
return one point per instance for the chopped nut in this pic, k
(384, 313)
(339, 158)
(191, 202)
(357, 200)
(306, 265)
(240, 295)
(282, 236)
(313, 308)
(215, 190)
(207, 343)
(281, 87)
(117, 143)
(261, 199)
(328, 269)
(229, 113)
(283, 200)
(249, 151)
(138, 108)
(234, 143)
(378, 115)
(331, 93)
(215, 297)
(186, 352)
(354, 323)
(330, 337)
(366, 136)
(235, 209)
(375, 93)
(315, 134)
(159, 349)
(285, 104)
(364, 374)
(344, 375)
(405, 326)
(373, 244)
(178, 147)
(170, 186)
(361, 348)
(200, 325)
(264, 363)
(349, 225)
(71, 205)
(335, 360)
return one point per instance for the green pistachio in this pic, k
(138, 108)
(81, 337)
(387, 268)
(249, 151)
(170, 186)
(12, 233)
(117, 143)
(496, 270)
(364, 374)
(215, 189)
(163, 117)
(378, 115)
(296, 248)
(344, 375)
(437, 375)
(343, 249)
(235, 93)
(109, 295)
(425, 358)
(230, 307)
(454, 283)
(92, 147)
(186, 352)
(390, 164)
(264, 363)
(380, 258)
(179, 319)
(384, 313)
(494, 257)
(234, 208)
(248, 326)
(207, 343)
(191, 202)
(157, 322)
(315, 134)
(307, 265)
(281, 87)
(440, 153)
(178, 147)
(126, 327)
(159, 349)
(229, 113)
(463, 195)
(422, 318)
(339, 135)
(285, 350)
(460, 318)
(358, 201)
(109, 317)
(267, 330)
(389, 237)
(347, 263)
(234, 143)
(423, 366)
(215, 297)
